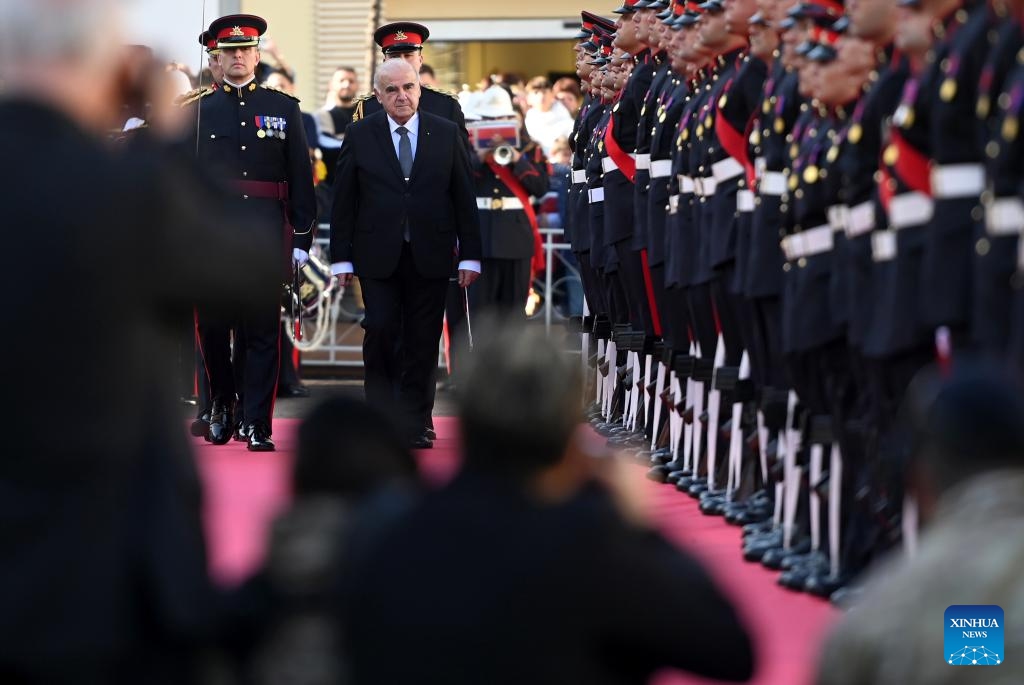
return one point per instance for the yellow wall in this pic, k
(291, 27)
(415, 10)
(527, 58)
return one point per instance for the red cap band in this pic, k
(238, 32)
(401, 37)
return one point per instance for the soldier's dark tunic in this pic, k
(995, 247)
(949, 89)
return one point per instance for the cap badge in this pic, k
(400, 35)
(237, 31)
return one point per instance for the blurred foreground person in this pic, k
(102, 560)
(350, 461)
(534, 564)
(968, 476)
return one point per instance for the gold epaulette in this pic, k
(278, 90)
(441, 91)
(357, 113)
(193, 95)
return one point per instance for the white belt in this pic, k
(1004, 216)
(705, 187)
(595, 195)
(579, 175)
(807, 243)
(861, 219)
(838, 217)
(726, 169)
(772, 183)
(745, 200)
(958, 180)
(608, 165)
(673, 204)
(660, 168)
(910, 209)
(499, 203)
(686, 185)
(883, 246)
(643, 161)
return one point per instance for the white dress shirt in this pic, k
(413, 126)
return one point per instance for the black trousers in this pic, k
(408, 308)
(502, 288)
(253, 375)
(631, 275)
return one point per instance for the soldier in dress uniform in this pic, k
(948, 102)
(578, 214)
(404, 40)
(619, 168)
(512, 250)
(253, 138)
(995, 253)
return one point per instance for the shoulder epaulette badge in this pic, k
(193, 95)
(357, 113)
(278, 90)
(441, 91)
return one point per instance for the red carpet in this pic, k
(244, 490)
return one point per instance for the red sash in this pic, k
(912, 167)
(626, 164)
(539, 261)
(733, 142)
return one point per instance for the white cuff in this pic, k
(339, 268)
(470, 265)
(301, 256)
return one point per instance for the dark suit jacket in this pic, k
(102, 563)
(480, 584)
(373, 202)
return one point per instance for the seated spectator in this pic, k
(968, 479)
(349, 462)
(534, 565)
(546, 119)
(567, 91)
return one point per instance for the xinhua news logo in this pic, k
(974, 635)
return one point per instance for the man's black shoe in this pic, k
(293, 391)
(200, 428)
(420, 442)
(220, 424)
(429, 433)
(259, 439)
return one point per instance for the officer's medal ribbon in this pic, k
(260, 122)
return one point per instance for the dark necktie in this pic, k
(404, 151)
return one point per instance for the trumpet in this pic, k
(503, 155)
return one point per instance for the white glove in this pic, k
(300, 256)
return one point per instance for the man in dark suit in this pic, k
(103, 568)
(404, 203)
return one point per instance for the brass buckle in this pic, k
(496, 203)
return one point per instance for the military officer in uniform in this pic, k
(512, 250)
(404, 40)
(252, 138)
